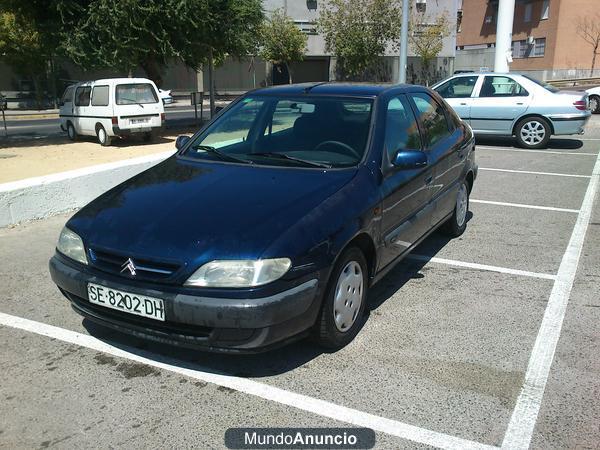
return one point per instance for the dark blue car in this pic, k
(272, 222)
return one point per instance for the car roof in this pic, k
(112, 81)
(336, 88)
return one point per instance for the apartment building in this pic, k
(546, 37)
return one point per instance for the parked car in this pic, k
(112, 107)
(165, 96)
(594, 96)
(272, 222)
(515, 105)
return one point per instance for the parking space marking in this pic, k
(522, 205)
(524, 417)
(468, 265)
(551, 152)
(309, 404)
(529, 172)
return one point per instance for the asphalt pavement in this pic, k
(488, 340)
(37, 127)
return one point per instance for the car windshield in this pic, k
(308, 131)
(546, 86)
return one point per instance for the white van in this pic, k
(112, 107)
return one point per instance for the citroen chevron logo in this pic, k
(129, 265)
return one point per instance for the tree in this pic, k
(427, 37)
(282, 41)
(358, 31)
(125, 34)
(588, 28)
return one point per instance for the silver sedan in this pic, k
(515, 105)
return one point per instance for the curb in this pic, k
(48, 195)
(31, 116)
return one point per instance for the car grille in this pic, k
(145, 269)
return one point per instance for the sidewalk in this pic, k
(55, 155)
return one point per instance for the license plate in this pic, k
(140, 305)
(138, 121)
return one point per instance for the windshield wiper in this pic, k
(133, 101)
(292, 158)
(220, 154)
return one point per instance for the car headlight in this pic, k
(71, 245)
(245, 273)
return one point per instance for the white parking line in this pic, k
(468, 265)
(551, 152)
(524, 417)
(281, 396)
(522, 205)
(535, 173)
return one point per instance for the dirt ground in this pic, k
(25, 159)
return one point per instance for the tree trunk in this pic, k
(211, 83)
(289, 71)
(37, 86)
(153, 71)
(594, 58)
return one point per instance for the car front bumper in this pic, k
(195, 321)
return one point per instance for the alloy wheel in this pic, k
(533, 132)
(462, 205)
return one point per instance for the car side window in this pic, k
(100, 96)
(460, 87)
(82, 96)
(497, 86)
(401, 129)
(67, 96)
(432, 118)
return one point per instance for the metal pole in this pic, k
(506, 12)
(403, 42)
(4, 120)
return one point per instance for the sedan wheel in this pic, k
(457, 223)
(342, 313)
(533, 132)
(595, 104)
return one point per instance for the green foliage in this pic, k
(427, 37)
(282, 41)
(122, 34)
(358, 31)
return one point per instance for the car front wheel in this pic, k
(343, 310)
(533, 132)
(71, 132)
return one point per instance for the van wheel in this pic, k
(71, 133)
(533, 132)
(343, 310)
(149, 136)
(457, 223)
(103, 137)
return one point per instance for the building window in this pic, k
(545, 9)
(539, 48)
(421, 6)
(527, 15)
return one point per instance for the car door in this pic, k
(66, 106)
(458, 93)
(405, 193)
(81, 110)
(498, 103)
(442, 143)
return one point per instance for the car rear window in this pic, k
(135, 93)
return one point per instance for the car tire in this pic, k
(595, 104)
(341, 319)
(149, 136)
(457, 223)
(103, 138)
(533, 132)
(71, 133)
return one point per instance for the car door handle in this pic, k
(520, 103)
(463, 104)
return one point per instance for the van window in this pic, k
(68, 95)
(100, 96)
(135, 93)
(82, 96)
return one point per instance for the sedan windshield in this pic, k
(305, 131)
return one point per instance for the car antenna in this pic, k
(309, 88)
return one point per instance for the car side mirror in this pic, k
(181, 141)
(410, 159)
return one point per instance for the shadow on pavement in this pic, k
(554, 144)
